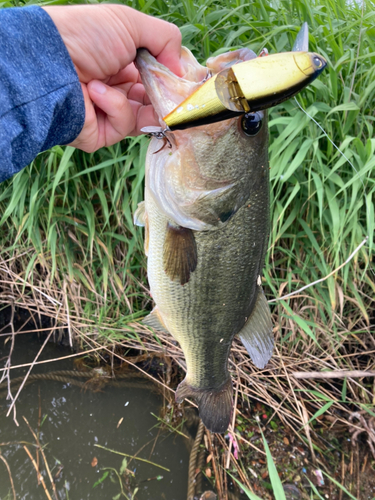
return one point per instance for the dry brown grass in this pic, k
(349, 346)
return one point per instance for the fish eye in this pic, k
(251, 123)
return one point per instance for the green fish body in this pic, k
(206, 215)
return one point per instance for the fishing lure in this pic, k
(249, 86)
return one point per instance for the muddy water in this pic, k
(72, 422)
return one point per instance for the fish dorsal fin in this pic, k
(179, 253)
(155, 321)
(140, 215)
(257, 335)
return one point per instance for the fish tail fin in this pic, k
(215, 405)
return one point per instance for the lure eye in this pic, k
(318, 63)
(251, 123)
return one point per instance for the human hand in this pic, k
(102, 41)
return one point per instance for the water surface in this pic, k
(72, 421)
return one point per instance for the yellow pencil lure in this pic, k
(249, 86)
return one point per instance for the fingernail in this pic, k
(98, 87)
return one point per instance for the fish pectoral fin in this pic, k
(155, 321)
(140, 219)
(140, 215)
(257, 335)
(215, 405)
(180, 253)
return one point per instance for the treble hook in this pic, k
(158, 133)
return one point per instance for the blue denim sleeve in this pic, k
(41, 100)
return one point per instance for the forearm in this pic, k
(41, 101)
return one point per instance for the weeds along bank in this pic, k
(69, 249)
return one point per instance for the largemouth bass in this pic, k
(206, 218)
